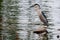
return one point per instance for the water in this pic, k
(18, 15)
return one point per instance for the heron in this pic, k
(41, 15)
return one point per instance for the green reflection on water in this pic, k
(9, 31)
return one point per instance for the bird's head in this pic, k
(35, 5)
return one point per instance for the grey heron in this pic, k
(42, 17)
(40, 14)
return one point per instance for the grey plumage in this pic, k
(42, 16)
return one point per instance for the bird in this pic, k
(42, 17)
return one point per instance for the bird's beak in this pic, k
(31, 6)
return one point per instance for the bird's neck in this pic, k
(38, 11)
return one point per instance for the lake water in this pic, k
(23, 17)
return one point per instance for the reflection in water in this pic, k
(45, 37)
(10, 12)
(1, 21)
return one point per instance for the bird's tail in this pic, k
(46, 24)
